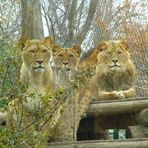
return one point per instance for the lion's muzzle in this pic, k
(39, 65)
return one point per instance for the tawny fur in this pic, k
(66, 57)
(89, 59)
(40, 80)
(115, 72)
(37, 73)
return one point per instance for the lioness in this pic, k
(36, 69)
(65, 61)
(66, 57)
(115, 73)
(35, 114)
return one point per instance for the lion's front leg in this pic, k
(103, 95)
(128, 93)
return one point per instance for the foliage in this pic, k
(9, 72)
(28, 128)
(3, 137)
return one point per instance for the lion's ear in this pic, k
(23, 42)
(77, 49)
(55, 48)
(101, 46)
(124, 44)
(49, 41)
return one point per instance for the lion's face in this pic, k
(36, 55)
(113, 55)
(67, 58)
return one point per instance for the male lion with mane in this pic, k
(115, 72)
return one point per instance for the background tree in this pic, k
(31, 26)
(69, 21)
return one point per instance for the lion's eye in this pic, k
(44, 51)
(60, 55)
(32, 51)
(109, 53)
(119, 52)
(71, 56)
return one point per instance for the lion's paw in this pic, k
(121, 95)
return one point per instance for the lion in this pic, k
(66, 62)
(37, 112)
(67, 58)
(36, 69)
(115, 72)
(114, 77)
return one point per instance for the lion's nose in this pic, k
(39, 61)
(65, 63)
(115, 60)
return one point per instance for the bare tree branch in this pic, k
(71, 22)
(88, 22)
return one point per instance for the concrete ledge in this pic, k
(132, 143)
(118, 106)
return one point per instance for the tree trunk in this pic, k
(32, 27)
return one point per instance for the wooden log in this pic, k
(117, 106)
(132, 143)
